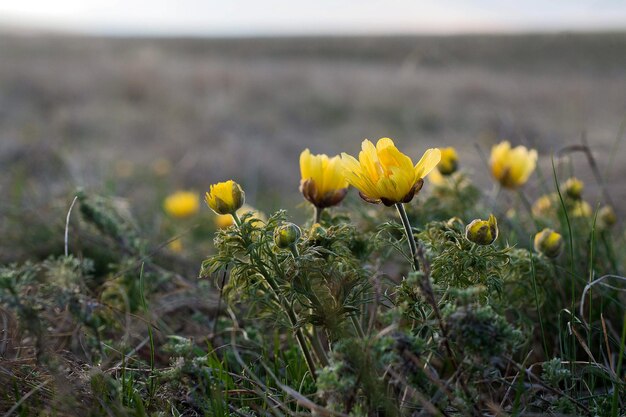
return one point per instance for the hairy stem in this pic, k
(409, 235)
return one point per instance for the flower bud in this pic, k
(286, 235)
(607, 216)
(573, 188)
(482, 232)
(549, 243)
(317, 232)
(543, 206)
(225, 197)
(581, 209)
(449, 161)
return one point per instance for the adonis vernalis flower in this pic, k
(225, 197)
(573, 188)
(482, 232)
(323, 182)
(385, 175)
(449, 161)
(549, 242)
(182, 204)
(511, 167)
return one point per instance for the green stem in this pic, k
(294, 251)
(618, 371)
(528, 207)
(319, 348)
(287, 308)
(294, 323)
(357, 326)
(543, 333)
(318, 214)
(409, 235)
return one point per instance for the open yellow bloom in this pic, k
(323, 182)
(512, 166)
(222, 221)
(384, 174)
(182, 204)
(449, 161)
(225, 197)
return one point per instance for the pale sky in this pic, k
(288, 17)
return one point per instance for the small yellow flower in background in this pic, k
(323, 183)
(225, 197)
(573, 188)
(549, 243)
(511, 167)
(176, 246)
(582, 209)
(607, 216)
(222, 221)
(161, 167)
(449, 161)
(384, 174)
(482, 232)
(182, 204)
(543, 205)
(124, 168)
(436, 178)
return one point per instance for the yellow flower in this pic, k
(161, 167)
(512, 166)
(449, 161)
(182, 204)
(574, 188)
(607, 216)
(482, 232)
(323, 183)
(436, 178)
(543, 205)
(384, 174)
(222, 221)
(549, 243)
(581, 209)
(176, 246)
(225, 197)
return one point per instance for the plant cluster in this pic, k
(449, 306)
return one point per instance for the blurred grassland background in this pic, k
(140, 118)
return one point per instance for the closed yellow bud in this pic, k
(225, 197)
(543, 205)
(511, 167)
(182, 204)
(549, 243)
(449, 161)
(323, 183)
(383, 174)
(607, 216)
(573, 188)
(286, 235)
(482, 232)
(581, 209)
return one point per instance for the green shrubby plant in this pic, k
(438, 307)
